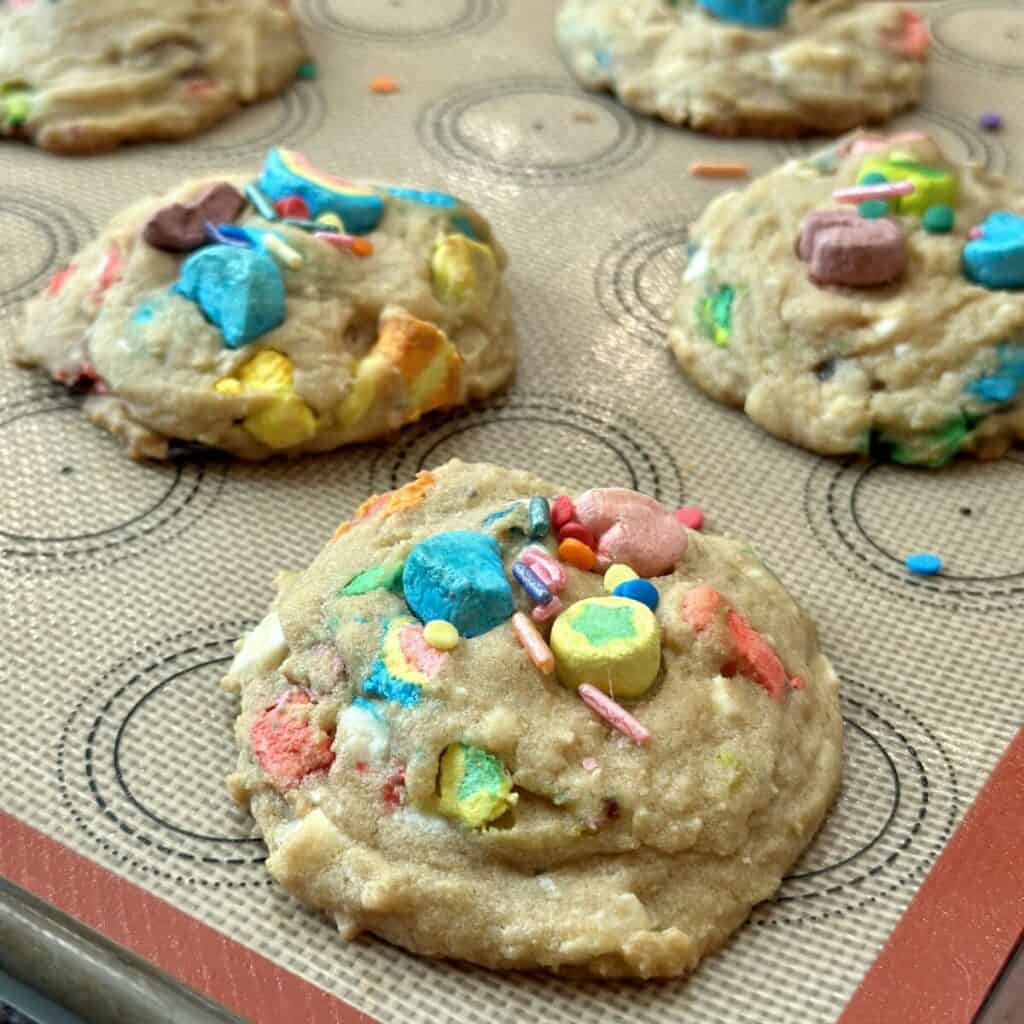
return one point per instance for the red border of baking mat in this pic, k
(226, 971)
(965, 921)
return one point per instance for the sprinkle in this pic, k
(991, 122)
(306, 71)
(111, 271)
(924, 564)
(547, 568)
(975, 233)
(614, 714)
(538, 518)
(261, 204)
(638, 590)
(938, 219)
(305, 225)
(584, 116)
(441, 635)
(723, 169)
(58, 280)
(285, 253)
(533, 643)
(616, 574)
(330, 222)
(562, 511)
(384, 84)
(292, 206)
(577, 531)
(576, 553)
(589, 764)
(543, 612)
(691, 517)
(873, 209)
(352, 243)
(881, 190)
(227, 234)
(798, 683)
(531, 583)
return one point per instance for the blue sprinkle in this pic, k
(995, 388)
(380, 683)
(227, 234)
(538, 518)
(416, 195)
(500, 514)
(531, 583)
(373, 707)
(464, 226)
(638, 590)
(924, 564)
(144, 313)
(263, 206)
(603, 58)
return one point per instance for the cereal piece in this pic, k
(996, 258)
(476, 787)
(845, 249)
(612, 642)
(932, 185)
(180, 227)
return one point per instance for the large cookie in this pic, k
(85, 75)
(881, 328)
(576, 780)
(284, 312)
(749, 67)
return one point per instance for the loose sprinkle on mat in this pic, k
(991, 122)
(614, 714)
(585, 116)
(719, 169)
(924, 564)
(384, 84)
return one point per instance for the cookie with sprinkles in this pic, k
(593, 770)
(749, 67)
(866, 300)
(80, 76)
(284, 311)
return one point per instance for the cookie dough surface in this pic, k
(80, 76)
(829, 67)
(915, 370)
(285, 336)
(460, 801)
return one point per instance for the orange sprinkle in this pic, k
(384, 84)
(343, 528)
(361, 246)
(576, 553)
(722, 169)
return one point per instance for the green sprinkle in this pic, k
(377, 577)
(938, 220)
(872, 178)
(307, 70)
(872, 209)
(715, 314)
(934, 448)
(15, 107)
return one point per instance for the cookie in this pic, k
(749, 67)
(606, 789)
(81, 76)
(282, 312)
(869, 300)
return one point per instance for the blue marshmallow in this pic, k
(996, 259)
(752, 13)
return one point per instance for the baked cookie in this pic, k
(749, 67)
(893, 327)
(289, 311)
(80, 76)
(473, 729)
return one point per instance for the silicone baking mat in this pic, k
(125, 585)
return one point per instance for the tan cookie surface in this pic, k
(367, 343)
(915, 370)
(86, 75)
(830, 67)
(602, 856)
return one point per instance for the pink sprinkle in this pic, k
(873, 143)
(419, 653)
(543, 612)
(883, 190)
(798, 683)
(547, 568)
(690, 516)
(975, 233)
(614, 714)
(533, 643)
(590, 764)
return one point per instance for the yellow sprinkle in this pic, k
(617, 574)
(285, 253)
(229, 386)
(331, 220)
(441, 635)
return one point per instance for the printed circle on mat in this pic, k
(637, 279)
(958, 136)
(45, 232)
(571, 442)
(403, 21)
(82, 504)
(143, 756)
(870, 516)
(534, 131)
(279, 121)
(999, 47)
(895, 811)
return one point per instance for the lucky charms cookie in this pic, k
(869, 299)
(286, 311)
(749, 67)
(78, 76)
(527, 730)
